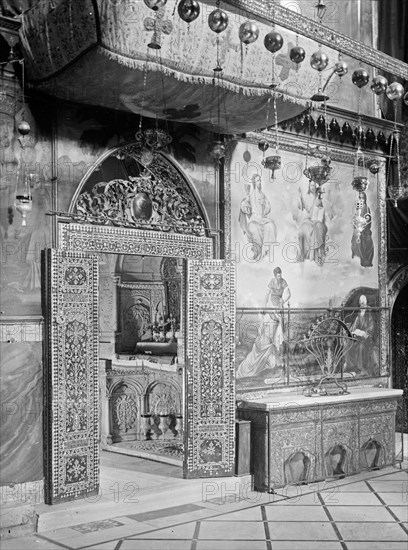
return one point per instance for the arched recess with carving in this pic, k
(123, 190)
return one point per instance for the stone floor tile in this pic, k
(360, 531)
(295, 513)
(78, 540)
(389, 486)
(311, 499)
(231, 545)
(360, 513)
(111, 545)
(394, 499)
(28, 543)
(182, 532)
(350, 499)
(398, 474)
(227, 530)
(182, 518)
(360, 487)
(165, 512)
(155, 544)
(400, 511)
(312, 531)
(250, 514)
(376, 545)
(306, 545)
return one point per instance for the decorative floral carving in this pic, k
(75, 276)
(318, 432)
(71, 374)
(158, 199)
(211, 281)
(124, 412)
(210, 370)
(211, 450)
(76, 469)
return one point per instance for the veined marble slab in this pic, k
(287, 400)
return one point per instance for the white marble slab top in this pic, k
(287, 400)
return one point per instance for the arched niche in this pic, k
(123, 190)
(336, 460)
(372, 454)
(299, 467)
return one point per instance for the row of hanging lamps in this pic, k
(23, 201)
(218, 20)
(394, 92)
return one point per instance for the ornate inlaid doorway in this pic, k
(122, 220)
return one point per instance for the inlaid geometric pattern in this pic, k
(210, 369)
(72, 398)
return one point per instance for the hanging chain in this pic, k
(308, 138)
(156, 98)
(389, 162)
(275, 114)
(163, 90)
(396, 136)
(224, 105)
(398, 160)
(23, 86)
(143, 94)
(326, 127)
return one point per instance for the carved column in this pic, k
(107, 313)
(106, 436)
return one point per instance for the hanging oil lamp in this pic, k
(24, 199)
(320, 173)
(273, 162)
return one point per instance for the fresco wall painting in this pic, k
(300, 260)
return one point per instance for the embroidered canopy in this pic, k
(96, 52)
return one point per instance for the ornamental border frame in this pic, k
(119, 240)
(294, 144)
(271, 12)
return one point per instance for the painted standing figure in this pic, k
(265, 349)
(362, 244)
(312, 225)
(255, 219)
(362, 358)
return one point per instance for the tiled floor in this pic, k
(368, 511)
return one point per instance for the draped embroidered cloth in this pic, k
(96, 52)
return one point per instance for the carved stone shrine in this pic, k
(297, 439)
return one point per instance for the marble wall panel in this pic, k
(21, 443)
